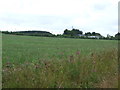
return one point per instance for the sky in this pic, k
(55, 16)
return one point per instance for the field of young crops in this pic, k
(41, 62)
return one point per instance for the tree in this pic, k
(77, 31)
(88, 34)
(98, 34)
(117, 36)
(73, 32)
(93, 33)
(67, 32)
(5, 32)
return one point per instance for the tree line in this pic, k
(74, 33)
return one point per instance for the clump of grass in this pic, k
(74, 72)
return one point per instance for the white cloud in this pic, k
(56, 15)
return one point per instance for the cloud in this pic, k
(56, 15)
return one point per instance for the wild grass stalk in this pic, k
(74, 72)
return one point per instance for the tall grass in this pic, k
(96, 69)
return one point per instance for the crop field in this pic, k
(47, 62)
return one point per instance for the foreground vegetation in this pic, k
(40, 62)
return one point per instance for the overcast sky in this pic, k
(57, 15)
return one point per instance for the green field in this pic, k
(27, 48)
(30, 61)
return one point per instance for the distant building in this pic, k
(81, 35)
(97, 37)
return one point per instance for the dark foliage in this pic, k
(117, 36)
(30, 33)
(74, 33)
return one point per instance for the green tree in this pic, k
(117, 36)
(67, 32)
(96, 34)
(93, 33)
(72, 33)
(76, 31)
(88, 34)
